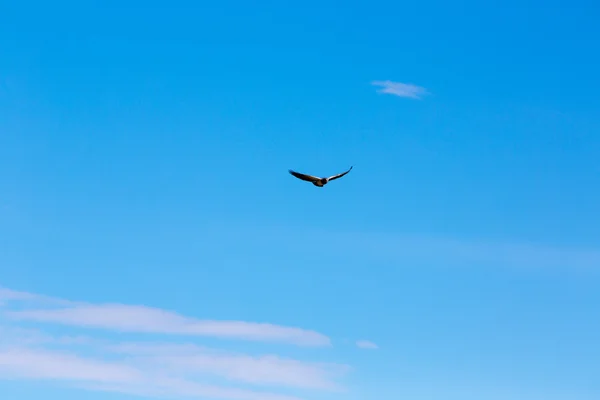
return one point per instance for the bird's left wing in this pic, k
(339, 175)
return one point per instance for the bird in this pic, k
(315, 180)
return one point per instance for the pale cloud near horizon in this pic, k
(400, 89)
(366, 344)
(265, 369)
(152, 369)
(87, 373)
(143, 319)
(38, 363)
(7, 295)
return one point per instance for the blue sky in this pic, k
(152, 242)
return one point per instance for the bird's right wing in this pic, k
(339, 175)
(304, 177)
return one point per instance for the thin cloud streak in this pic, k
(428, 250)
(7, 295)
(142, 319)
(261, 370)
(104, 376)
(27, 363)
(487, 253)
(181, 388)
(400, 89)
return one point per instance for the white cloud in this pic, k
(117, 377)
(151, 369)
(142, 319)
(7, 295)
(28, 363)
(181, 388)
(261, 370)
(400, 89)
(365, 344)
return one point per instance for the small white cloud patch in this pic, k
(400, 89)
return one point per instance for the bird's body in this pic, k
(315, 180)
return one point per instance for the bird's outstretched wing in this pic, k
(304, 177)
(339, 175)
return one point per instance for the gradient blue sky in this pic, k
(148, 225)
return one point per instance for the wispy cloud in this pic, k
(28, 363)
(8, 295)
(262, 370)
(142, 319)
(120, 377)
(427, 250)
(152, 368)
(181, 388)
(365, 344)
(400, 89)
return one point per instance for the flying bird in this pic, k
(317, 181)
